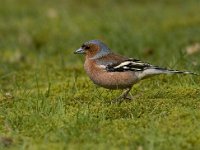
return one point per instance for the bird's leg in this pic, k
(124, 95)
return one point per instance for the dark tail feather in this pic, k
(184, 72)
(170, 71)
(157, 70)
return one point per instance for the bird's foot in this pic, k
(123, 97)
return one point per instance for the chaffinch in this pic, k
(113, 71)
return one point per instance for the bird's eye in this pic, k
(87, 47)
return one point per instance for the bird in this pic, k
(113, 71)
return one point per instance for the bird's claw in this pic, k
(122, 98)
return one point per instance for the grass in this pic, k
(48, 102)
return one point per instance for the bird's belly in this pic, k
(114, 80)
(109, 80)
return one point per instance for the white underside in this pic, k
(151, 72)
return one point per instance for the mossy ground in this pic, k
(48, 102)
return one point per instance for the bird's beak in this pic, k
(79, 51)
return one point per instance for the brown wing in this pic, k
(111, 59)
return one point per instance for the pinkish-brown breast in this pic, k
(110, 80)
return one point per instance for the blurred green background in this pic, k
(48, 102)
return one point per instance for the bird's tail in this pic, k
(171, 71)
(157, 70)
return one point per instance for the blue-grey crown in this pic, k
(104, 50)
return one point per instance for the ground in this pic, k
(48, 102)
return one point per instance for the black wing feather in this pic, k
(130, 65)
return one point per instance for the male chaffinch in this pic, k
(113, 71)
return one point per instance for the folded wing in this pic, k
(142, 69)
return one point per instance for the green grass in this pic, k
(48, 102)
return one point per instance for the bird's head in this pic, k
(93, 49)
